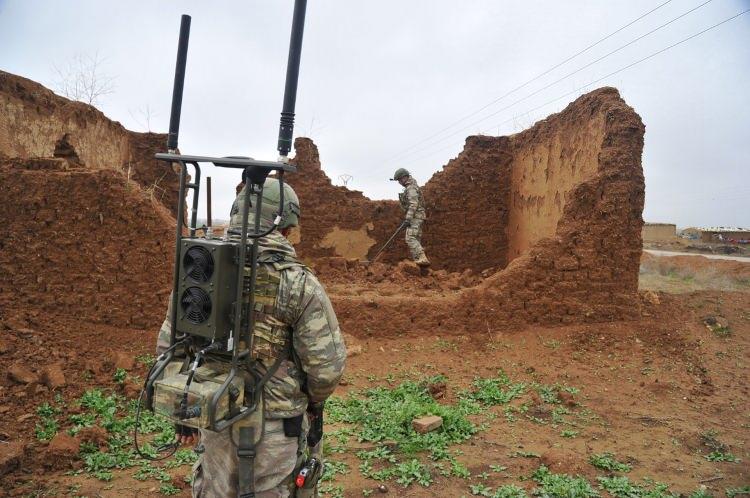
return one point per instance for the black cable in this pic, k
(532, 79)
(562, 78)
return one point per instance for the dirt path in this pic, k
(657, 252)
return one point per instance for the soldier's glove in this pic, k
(185, 434)
(406, 224)
(315, 414)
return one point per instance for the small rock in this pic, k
(651, 297)
(22, 375)
(62, 451)
(437, 389)
(354, 350)
(426, 424)
(567, 398)
(126, 361)
(95, 435)
(53, 376)
(5, 347)
(383, 488)
(10, 457)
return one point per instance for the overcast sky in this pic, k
(380, 77)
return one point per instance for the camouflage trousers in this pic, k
(414, 239)
(215, 474)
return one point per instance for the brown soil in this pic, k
(650, 388)
(82, 243)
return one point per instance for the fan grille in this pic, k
(198, 264)
(196, 304)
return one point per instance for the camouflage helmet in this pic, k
(400, 173)
(271, 195)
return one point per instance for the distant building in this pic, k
(727, 235)
(659, 232)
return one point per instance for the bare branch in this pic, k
(82, 79)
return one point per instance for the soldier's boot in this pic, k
(422, 261)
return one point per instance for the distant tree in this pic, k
(345, 179)
(143, 117)
(82, 79)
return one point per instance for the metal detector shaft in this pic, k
(385, 246)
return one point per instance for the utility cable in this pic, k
(536, 92)
(523, 85)
(654, 54)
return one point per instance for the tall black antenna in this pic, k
(179, 84)
(286, 127)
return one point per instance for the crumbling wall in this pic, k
(336, 221)
(467, 207)
(491, 204)
(549, 161)
(83, 243)
(37, 123)
(583, 265)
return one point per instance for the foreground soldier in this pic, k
(294, 318)
(413, 205)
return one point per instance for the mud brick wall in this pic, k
(82, 243)
(467, 207)
(35, 122)
(337, 221)
(581, 268)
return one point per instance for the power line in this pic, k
(654, 54)
(498, 99)
(536, 92)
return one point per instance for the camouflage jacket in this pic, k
(412, 201)
(319, 353)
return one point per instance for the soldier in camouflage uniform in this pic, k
(413, 205)
(301, 309)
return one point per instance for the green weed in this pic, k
(120, 375)
(621, 487)
(732, 492)
(495, 390)
(607, 461)
(553, 485)
(721, 456)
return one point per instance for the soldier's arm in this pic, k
(317, 339)
(412, 199)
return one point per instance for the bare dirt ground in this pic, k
(664, 394)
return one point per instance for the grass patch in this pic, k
(116, 415)
(607, 461)
(732, 492)
(721, 456)
(621, 487)
(383, 415)
(551, 485)
(495, 390)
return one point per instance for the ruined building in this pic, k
(551, 216)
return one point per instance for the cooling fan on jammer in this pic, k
(207, 287)
(196, 305)
(198, 264)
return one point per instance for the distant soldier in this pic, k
(413, 205)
